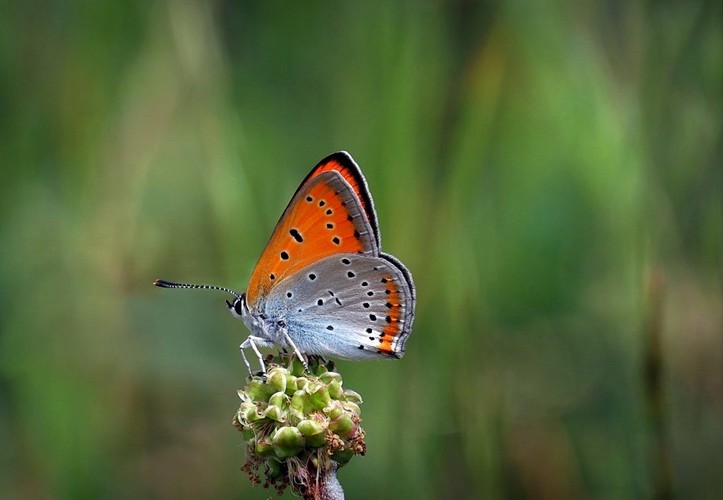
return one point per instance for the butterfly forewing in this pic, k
(347, 306)
(325, 217)
(344, 164)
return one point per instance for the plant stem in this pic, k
(329, 487)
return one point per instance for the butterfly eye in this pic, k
(236, 308)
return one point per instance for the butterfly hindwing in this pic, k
(325, 217)
(347, 306)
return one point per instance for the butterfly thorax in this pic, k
(261, 325)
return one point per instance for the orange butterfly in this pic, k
(322, 285)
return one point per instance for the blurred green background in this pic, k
(549, 172)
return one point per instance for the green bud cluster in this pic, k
(298, 424)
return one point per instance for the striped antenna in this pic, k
(168, 284)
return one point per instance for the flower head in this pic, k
(299, 425)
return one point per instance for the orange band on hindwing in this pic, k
(394, 312)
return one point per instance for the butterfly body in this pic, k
(322, 285)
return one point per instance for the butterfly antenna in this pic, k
(169, 284)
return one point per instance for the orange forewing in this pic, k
(343, 163)
(324, 217)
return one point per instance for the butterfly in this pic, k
(322, 285)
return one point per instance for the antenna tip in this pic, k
(161, 283)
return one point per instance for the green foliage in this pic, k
(549, 172)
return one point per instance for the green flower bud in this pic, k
(329, 376)
(248, 433)
(343, 426)
(335, 390)
(353, 407)
(275, 413)
(258, 390)
(352, 397)
(263, 448)
(252, 415)
(319, 398)
(297, 367)
(279, 399)
(300, 401)
(276, 379)
(294, 416)
(334, 410)
(314, 432)
(275, 469)
(301, 382)
(287, 442)
(291, 385)
(342, 457)
(240, 414)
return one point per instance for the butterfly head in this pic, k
(238, 307)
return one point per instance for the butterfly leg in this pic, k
(296, 350)
(246, 361)
(251, 342)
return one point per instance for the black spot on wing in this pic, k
(296, 235)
